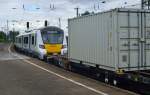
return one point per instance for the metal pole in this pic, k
(59, 22)
(2, 32)
(7, 30)
(77, 11)
(148, 4)
(142, 4)
(13, 33)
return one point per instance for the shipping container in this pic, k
(115, 40)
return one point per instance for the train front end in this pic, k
(53, 40)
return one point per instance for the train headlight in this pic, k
(42, 46)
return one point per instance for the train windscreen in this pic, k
(52, 37)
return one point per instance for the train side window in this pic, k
(32, 40)
(25, 40)
(124, 58)
(35, 38)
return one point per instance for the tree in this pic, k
(86, 13)
(13, 34)
(2, 36)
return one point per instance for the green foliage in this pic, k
(87, 13)
(12, 35)
(2, 36)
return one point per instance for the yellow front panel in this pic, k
(53, 48)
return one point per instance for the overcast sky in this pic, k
(28, 10)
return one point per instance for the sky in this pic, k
(18, 12)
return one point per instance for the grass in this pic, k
(4, 41)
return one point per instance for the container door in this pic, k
(133, 40)
(147, 40)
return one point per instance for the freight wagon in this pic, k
(114, 42)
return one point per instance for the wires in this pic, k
(133, 5)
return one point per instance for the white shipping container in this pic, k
(115, 40)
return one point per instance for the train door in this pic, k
(146, 44)
(32, 42)
(29, 41)
(134, 40)
(26, 42)
(22, 42)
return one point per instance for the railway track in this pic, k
(129, 85)
(138, 82)
(80, 78)
(145, 73)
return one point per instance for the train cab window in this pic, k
(45, 38)
(25, 40)
(32, 40)
(52, 37)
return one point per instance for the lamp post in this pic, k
(13, 33)
(59, 22)
(77, 11)
(13, 30)
(7, 30)
(14, 8)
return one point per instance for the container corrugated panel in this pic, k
(113, 40)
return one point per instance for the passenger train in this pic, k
(43, 42)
